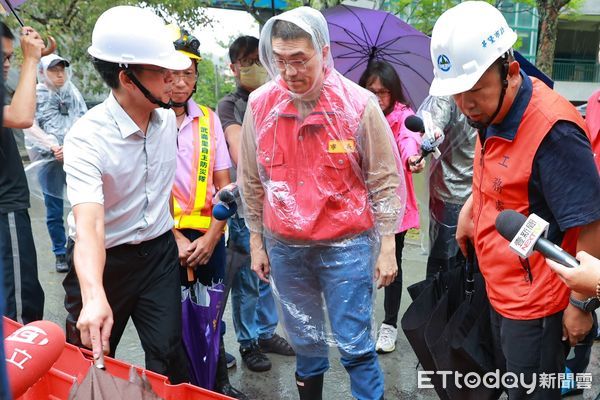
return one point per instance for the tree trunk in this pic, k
(548, 11)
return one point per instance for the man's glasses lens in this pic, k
(248, 62)
(185, 75)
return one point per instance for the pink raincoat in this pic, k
(409, 144)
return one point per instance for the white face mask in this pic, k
(253, 76)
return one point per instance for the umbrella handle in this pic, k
(50, 46)
(99, 363)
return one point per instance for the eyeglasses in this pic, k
(187, 76)
(296, 65)
(380, 93)
(248, 62)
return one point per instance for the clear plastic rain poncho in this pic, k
(57, 110)
(319, 179)
(450, 175)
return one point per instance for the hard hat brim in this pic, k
(452, 86)
(175, 60)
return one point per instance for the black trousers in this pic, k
(23, 294)
(393, 292)
(142, 282)
(527, 347)
(444, 253)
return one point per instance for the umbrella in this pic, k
(10, 5)
(532, 70)
(101, 385)
(359, 35)
(430, 295)
(447, 325)
(202, 308)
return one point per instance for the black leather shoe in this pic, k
(230, 391)
(61, 264)
(254, 359)
(222, 384)
(277, 345)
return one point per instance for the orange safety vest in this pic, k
(521, 289)
(195, 212)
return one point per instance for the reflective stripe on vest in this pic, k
(196, 212)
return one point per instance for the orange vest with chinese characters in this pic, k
(195, 212)
(520, 289)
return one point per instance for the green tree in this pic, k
(71, 23)
(212, 84)
(549, 12)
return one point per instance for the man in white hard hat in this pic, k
(532, 155)
(120, 161)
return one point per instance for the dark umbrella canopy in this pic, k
(359, 35)
(532, 70)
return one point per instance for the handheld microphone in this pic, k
(414, 124)
(430, 143)
(227, 206)
(521, 232)
(30, 353)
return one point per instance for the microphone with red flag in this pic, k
(526, 234)
(30, 353)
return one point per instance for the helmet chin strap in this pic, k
(504, 75)
(146, 92)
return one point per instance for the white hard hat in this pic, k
(465, 42)
(133, 35)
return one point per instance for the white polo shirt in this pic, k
(109, 161)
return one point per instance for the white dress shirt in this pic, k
(109, 161)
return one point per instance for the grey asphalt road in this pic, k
(400, 367)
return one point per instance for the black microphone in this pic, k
(414, 123)
(508, 224)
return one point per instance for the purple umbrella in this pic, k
(202, 309)
(359, 35)
(10, 5)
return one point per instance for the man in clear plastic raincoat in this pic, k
(319, 181)
(450, 177)
(59, 105)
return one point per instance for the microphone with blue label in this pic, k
(226, 206)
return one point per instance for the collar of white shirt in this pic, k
(126, 125)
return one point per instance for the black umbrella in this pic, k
(447, 325)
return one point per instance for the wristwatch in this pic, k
(588, 305)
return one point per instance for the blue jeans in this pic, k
(52, 181)
(55, 224)
(253, 308)
(341, 274)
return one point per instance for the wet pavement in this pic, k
(400, 367)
